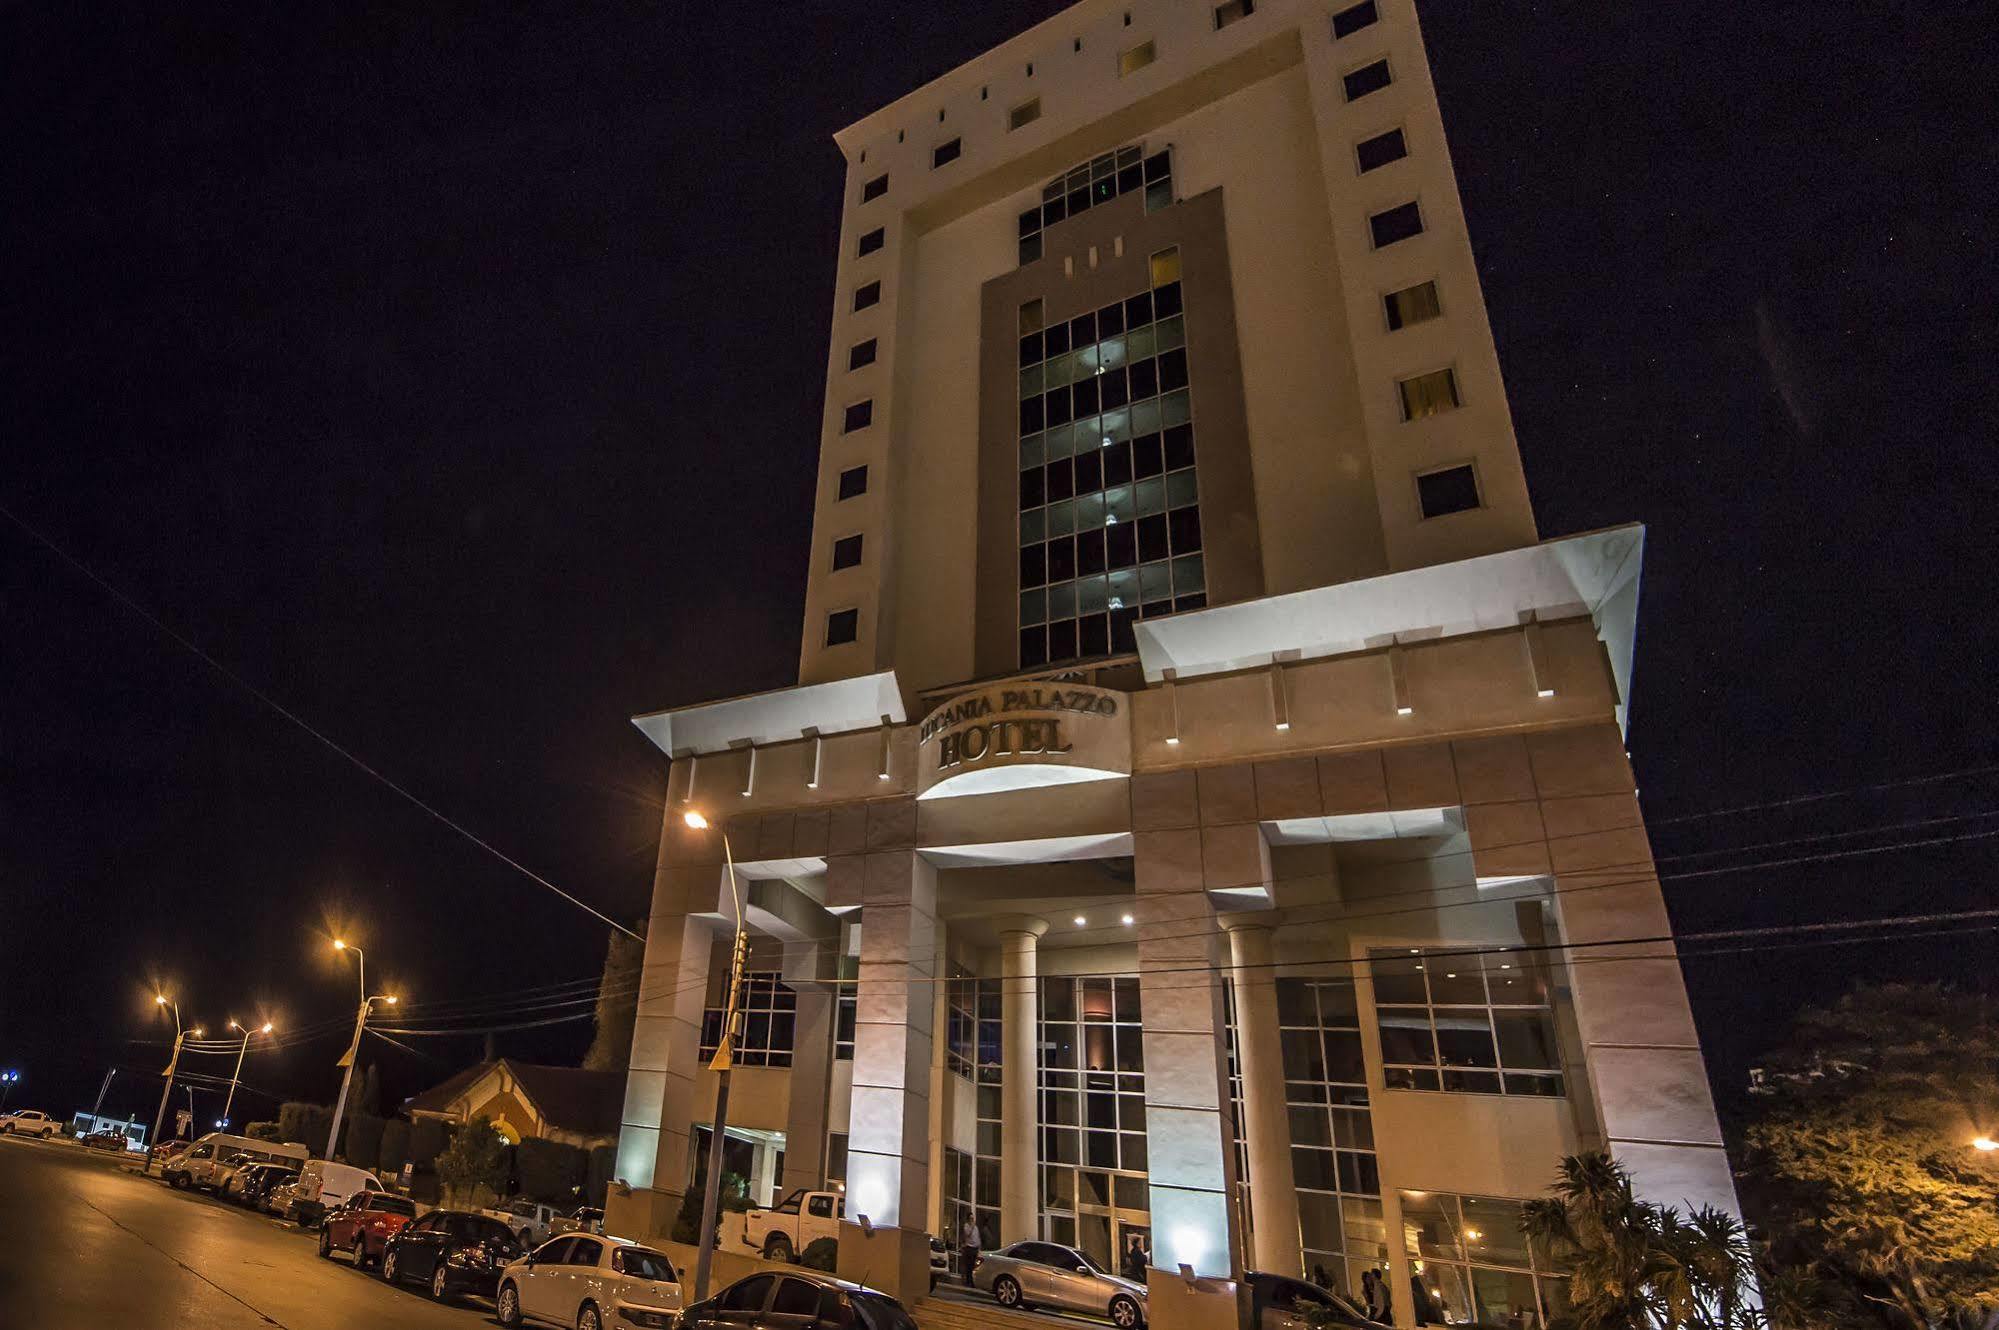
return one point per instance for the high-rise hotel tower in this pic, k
(1203, 817)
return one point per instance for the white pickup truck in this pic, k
(28, 1122)
(531, 1221)
(794, 1223)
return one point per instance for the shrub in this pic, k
(603, 1167)
(361, 1139)
(428, 1139)
(821, 1254)
(263, 1131)
(475, 1162)
(395, 1149)
(552, 1171)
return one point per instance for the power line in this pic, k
(1938, 777)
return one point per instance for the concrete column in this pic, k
(809, 965)
(888, 1150)
(1266, 1124)
(940, 1018)
(1401, 1300)
(1020, 1116)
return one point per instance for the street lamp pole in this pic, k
(7, 1080)
(105, 1085)
(353, 1049)
(241, 1049)
(166, 1089)
(724, 1059)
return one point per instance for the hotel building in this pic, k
(1203, 815)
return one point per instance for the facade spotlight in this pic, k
(695, 820)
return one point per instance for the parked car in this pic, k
(793, 1224)
(1280, 1302)
(591, 1283)
(108, 1140)
(454, 1251)
(1047, 1274)
(797, 1298)
(172, 1150)
(323, 1185)
(29, 1122)
(205, 1163)
(363, 1226)
(225, 1172)
(532, 1221)
(585, 1219)
(278, 1196)
(252, 1184)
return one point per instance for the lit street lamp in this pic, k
(724, 1059)
(360, 1023)
(7, 1079)
(241, 1049)
(160, 1118)
(1985, 1145)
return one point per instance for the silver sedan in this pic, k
(1047, 1274)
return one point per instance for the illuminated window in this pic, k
(846, 1009)
(1232, 11)
(861, 354)
(1367, 79)
(1451, 490)
(859, 415)
(1412, 305)
(875, 188)
(1137, 58)
(1471, 1024)
(1470, 1255)
(1092, 1088)
(836, 1157)
(1166, 267)
(1096, 181)
(769, 1012)
(870, 294)
(870, 242)
(946, 152)
(846, 552)
(853, 482)
(1379, 151)
(1026, 113)
(1429, 394)
(1396, 225)
(1352, 19)
(842, 627)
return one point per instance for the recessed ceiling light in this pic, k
(1128, 919)
(1080, 921)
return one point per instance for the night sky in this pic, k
(453, 375)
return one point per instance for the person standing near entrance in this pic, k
(1374, 1292)
(1136, 1259)
(968, 1248)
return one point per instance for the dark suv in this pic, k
(453, 1251)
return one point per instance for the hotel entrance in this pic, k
(1110, 1216)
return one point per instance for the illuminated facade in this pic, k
(1201, 773)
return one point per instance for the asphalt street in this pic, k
(87, 1244)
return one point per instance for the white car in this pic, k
(591, 1283)
(29, 1122)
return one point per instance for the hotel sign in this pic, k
(1023, 734)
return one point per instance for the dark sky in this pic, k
(453, 374)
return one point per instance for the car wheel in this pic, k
(326, 1244)
(1006, 1291)
(357, 1252)
(391, 1267)
(6, 1129)
(440, 1289)
(1124, 1313)
(179, 1181)
(777, 1247)
(588, 1319)
(508, 1304)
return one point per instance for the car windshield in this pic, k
(395, 1205)
(643, 1263)
(881, 1311)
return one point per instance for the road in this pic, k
(86, 1244)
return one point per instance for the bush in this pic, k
(551, 1171)
(821, 1254)
(292, 1118)
(263, 1131)
(603, 1167)
(477, 1161)
(395, 1149)
(428, 1139)
(361, 1139)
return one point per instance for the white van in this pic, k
(322, 1185)
(203, 1163)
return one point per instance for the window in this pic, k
(846, 552)
(1451, 490)
(1110, 522)
(870, 242)
(1026, 113)
(1412, 304)
(1092, 1085)
(1137, 58)
(1473, 1024)
(836, 1157)
(1098, 180)
(819, 1207)
(768, 1007)
(842, 627)
(875, 188)
(861, 354)
(1477, 1264)
(1368, 78)
(747, 1296)
(846, 1009)
(853, 482)
(946, 152)
(870, 294)
(1379, 151)
(859, 415)
(1397, 224)
(587, 1251)
(1352, 19)
(1429, 394)
(555, 1253)
(795, 1297)
(1233, 11)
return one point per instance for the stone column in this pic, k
(1020, 1116)
(940, 1018)
(1401, 1298)
(809, 965)
(1266, 1125)
(888, 1148)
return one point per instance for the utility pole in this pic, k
(100, 1094)
(166, 1089)
(240, 1051)
(724, 1059)
(347, 1059)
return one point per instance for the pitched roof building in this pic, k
(526, 1099)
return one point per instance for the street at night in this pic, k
(86, 1243)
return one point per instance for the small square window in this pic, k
(846, 552)
(1026, 113)
(946, 152)
(1368, 78)
(1380, 150)
(1079, 46)
(1411, 305)
(859, 415)
(875, 188)
(870, 294)
(1352, 19)
(1451, 490)
(853, 482)
(870, 242)
(1166, 267)
(1397, 224)
(842, 627)
(1429, 394)
(1031, 316)
(1137, 58)
(860, 354)
(1232, 11)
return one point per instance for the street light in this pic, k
(173, 1062)
(1985, 1145)
(241, 1049)
(7, 1079)
(354, 1048)
(724, 1059)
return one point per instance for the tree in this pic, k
(361, 1139)
(395, 1151)
(617, 1005)
(1638, 1266)
(1859, 1162)
(475, 1162)
(370, 1100)
(263, 1131)
(603, 1166)
(552, 1171)
(428, 1139)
